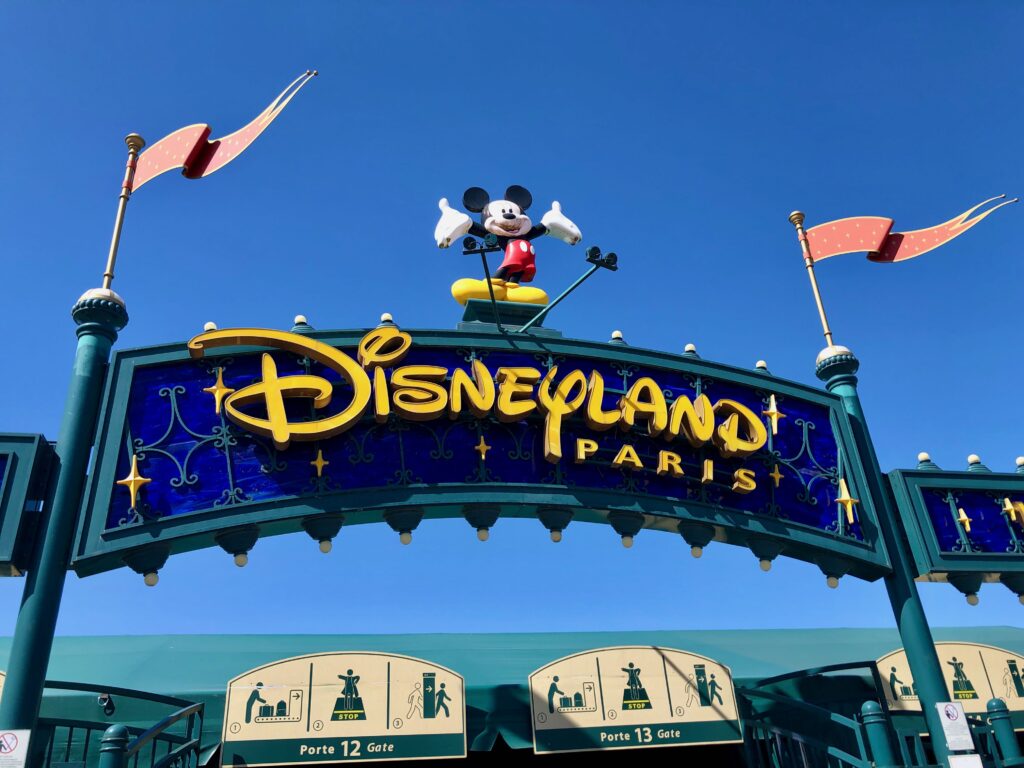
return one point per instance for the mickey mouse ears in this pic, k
(475, 199)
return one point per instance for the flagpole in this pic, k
(135, 143)
(796, 218)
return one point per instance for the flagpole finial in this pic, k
(796, 218)
(134, 142)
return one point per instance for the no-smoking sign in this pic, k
(14, 748)
(8, 743)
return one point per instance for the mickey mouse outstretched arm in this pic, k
(560, 226)
(453, 224)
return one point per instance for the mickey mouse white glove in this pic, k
(560, 226)
(451, 225)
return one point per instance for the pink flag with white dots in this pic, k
(188, 148)
(874, 235)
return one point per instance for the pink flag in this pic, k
(188, 148)
(874, 235)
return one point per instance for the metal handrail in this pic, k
(856, 727)
(158, 729)
(173, 755)
(64, 685)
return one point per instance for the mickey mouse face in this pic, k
(505, 218)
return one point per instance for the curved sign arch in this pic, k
(245, 433)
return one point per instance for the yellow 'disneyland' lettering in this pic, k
(381, 396)
(478, 391)
(627, 457)
(564, 401)
(384, 346)
(670, 464)
(645, 399)
(271, 392)
(694, 420)
(743, 481)
(515, 393)
(742, 433)
(418, 392)
(585, 448)
(595, 416)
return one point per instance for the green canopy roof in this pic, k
(495, 666)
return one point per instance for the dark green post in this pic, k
(876, 726)
(114, 747)
(837, 367)
(1002, 729)
(99, 314)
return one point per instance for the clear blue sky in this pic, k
(680, 135)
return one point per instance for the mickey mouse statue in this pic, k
(507, 220)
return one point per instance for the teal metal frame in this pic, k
(98, 549)
(908, 487)
(24, 475)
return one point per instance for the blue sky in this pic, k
(680, 135)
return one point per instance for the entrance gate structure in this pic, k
(245, 433)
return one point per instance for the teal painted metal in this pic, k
(98, 319)
(114, 747)
(970, 559)
(25, 464)
(876, 726)
(838, 371)
(1002, 730)
(100, 547)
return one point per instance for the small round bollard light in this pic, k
(974, 459)
(923, 456)
(325, 545)
(832, 582)
(405, 537)
(691, 348)
(301, 320)
(761, 365)
(972, 599)
(696, 551)
(556, 536)
(627, 541)
(241, 559)
(209, 325)
(1020, 461)
(483, 534)
(766, 564)
(386, 317)
(151, 579)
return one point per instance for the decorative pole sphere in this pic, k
(325, 545)
(923, 456)
(696, 551)
(209, 325)
(405, 537)
(483, 534)
(301, 320)
(556, 536)
(617, 335)
(974, 459)
(150, 579)
(387, 318)
(627, 541)
(972, 599)
(766, 565)
(241, 559)
(761, 365)
(832, 582)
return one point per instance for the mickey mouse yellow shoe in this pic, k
(467, 288)
(525, 294)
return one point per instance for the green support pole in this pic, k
(99, 314)
(837, 367)
(1002, 729)
(876, 726)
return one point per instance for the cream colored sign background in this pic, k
(988, 670)
(310, 688)
(668, 677)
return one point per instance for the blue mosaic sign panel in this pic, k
(199, 435)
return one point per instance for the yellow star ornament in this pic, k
(219, 391)
(845, 501)
(134, 481)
